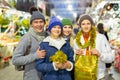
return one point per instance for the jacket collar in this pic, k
(51, 43)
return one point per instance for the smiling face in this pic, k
(56, 31)
(67, 30)
(38, 25)
(86, 26)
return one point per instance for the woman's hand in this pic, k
(95, 52)
(79, 51)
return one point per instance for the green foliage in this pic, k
(25, 22)
(12, 3)
(18, 23)
(4, 20)
(4, 26)
(1, 45)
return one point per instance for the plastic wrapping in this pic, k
(86, 67)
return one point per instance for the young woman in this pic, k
(55, 70)
(68, 35)
(100, 28)
(88, 42)
(68, 30)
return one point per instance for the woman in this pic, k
(68, 35)
(90, 45)
(55, 70)
(100, 28)
(31, 39)
(68, 30)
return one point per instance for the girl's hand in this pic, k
(59, 65)
(67, 65)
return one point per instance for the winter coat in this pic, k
(70, 40)
(47, 68)
(30, 72)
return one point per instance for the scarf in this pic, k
(67, 38)
(39, 36)
(86, 37)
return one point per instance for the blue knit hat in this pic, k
(53, 22)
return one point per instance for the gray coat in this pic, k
(30, 72)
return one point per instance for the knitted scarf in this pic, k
(39, 36)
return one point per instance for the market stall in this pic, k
(13, 25)
(108, 13)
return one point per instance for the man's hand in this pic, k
(41, 53)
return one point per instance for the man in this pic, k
(32, 38)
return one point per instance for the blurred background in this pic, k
(15, 15)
